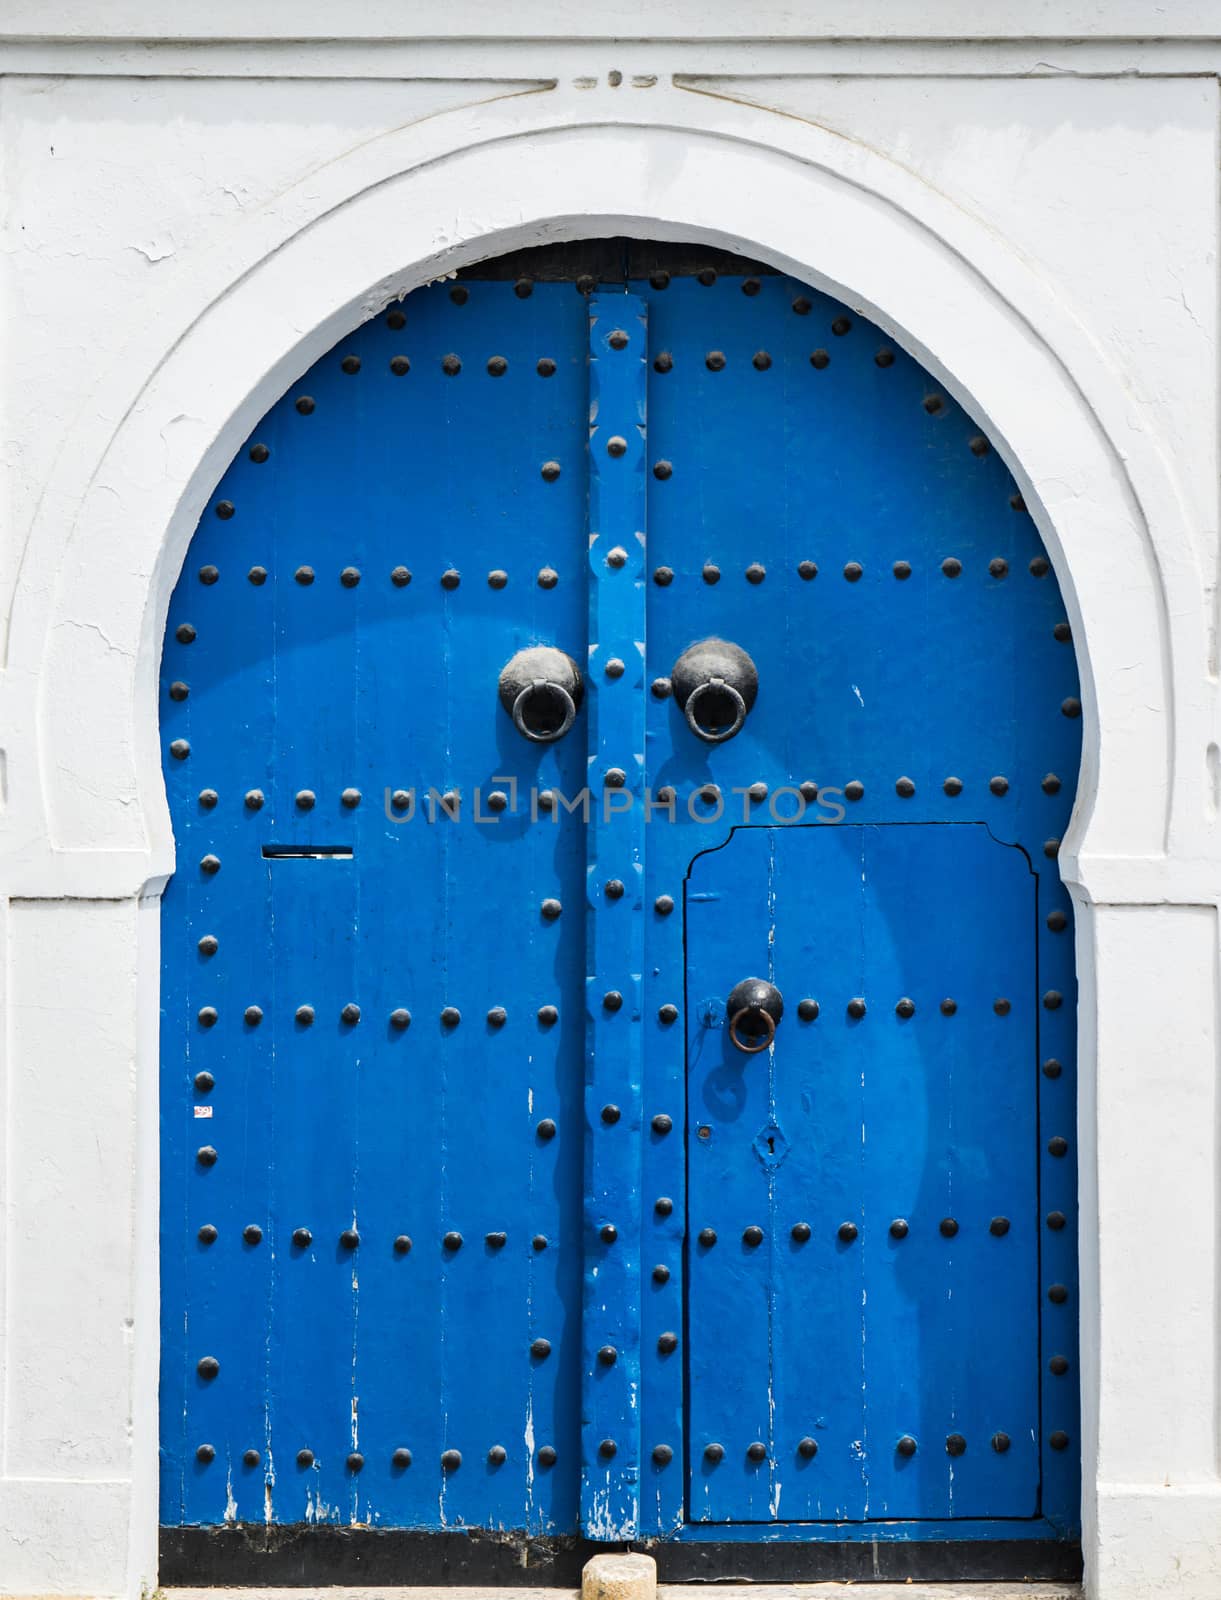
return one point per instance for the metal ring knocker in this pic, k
(761, 1044)
(534, 686)
(717, 678)
(718, 687)
(760, 1003)
(552, 690)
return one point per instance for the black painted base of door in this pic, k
(300, 1554)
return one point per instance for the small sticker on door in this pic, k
(202, 1111)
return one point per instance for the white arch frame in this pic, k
(266, 301)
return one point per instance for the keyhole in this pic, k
(771, 1143)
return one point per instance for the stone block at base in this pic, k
(619, 1577)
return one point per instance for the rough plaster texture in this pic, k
(199, 199)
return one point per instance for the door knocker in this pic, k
(755, 1007)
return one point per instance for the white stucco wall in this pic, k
(199, 198)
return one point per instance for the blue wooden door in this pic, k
(553, 657)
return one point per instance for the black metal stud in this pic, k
(304, 1015)
(452, 1241)
(906, 1007)
(350, 1015)
(179, 749)
(497, 367)
(355, 1461)
(999, 785)
(208, 1234)
(947, 1227)
(450, 1016)
(400, 366)
(715, 360)
(714, 1452)
(185, 633)
(761, 361)
(820, 359)
(204, 1083)
(662, 1455)
(1062, 632)
(305, 799)
(800, 1232)
(711, 573)
(451, 1460)
(1051, 848)
(664, 362)
(497, 1455)
(854, 790)
(934, 405)
(259, 453)
(540, 1349)
(1052, 1068)
(608, 1233)
(807, 1010)
(349, 1239)
(663, 905)
(209, 575)
(608, 1355)
(250, 1458)
(539, 1242)
(305, 1458)
(955, 1445)
(546, 1129)
(899, 1228)
(208, 1016)
(998, 567)
(807, 570)
(1053, 1000)
(707, 1237)
(1056, 1221)
(948, 1007)
(667, 1014)
(905, 788)
(451, 578)
(545, 367)
(661, 1273)
(807, 1448)
(548, 1015)
(661, 1123)
(906, 1446)
(952, 786)
(1057, 921)
(757, 793)
(252, 1233)
(1040, 567)
(400, 577)
(757, 1451)
(1000, 1443)
(1058, 1365)
(1058, 1440)
(495, 1241)
(1002, 1007)
(610, 1115)
(205, 1453)
(854, 571)
(206, 1155)
(663, 470)
(607, 1449)
(856, 1007)
(401, 1458)
(400, 1017)
(847, 1232)
(752, 1236)
(1057, 1294)
(304, 576)
(1057, 1146)
(252, 1016)
(663, 1205)
(998, 1227)
(207, 1367)
(402, 1244)
(547, 1456)
(885, 358)
(257, 576)
(1070, 707)
(302, 1238)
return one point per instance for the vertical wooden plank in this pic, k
(610, 1420)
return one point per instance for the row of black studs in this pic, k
(663, 577)
(612, 1000)
(662, 1454)
(402, 1458)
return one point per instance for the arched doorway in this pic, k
(482, 1216)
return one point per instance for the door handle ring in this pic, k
(544, 686)
(717, 687)
(761, 1044)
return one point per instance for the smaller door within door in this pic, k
(863, 1221)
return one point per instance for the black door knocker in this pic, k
(715, 684)
(541, 689)
(755, 1007)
